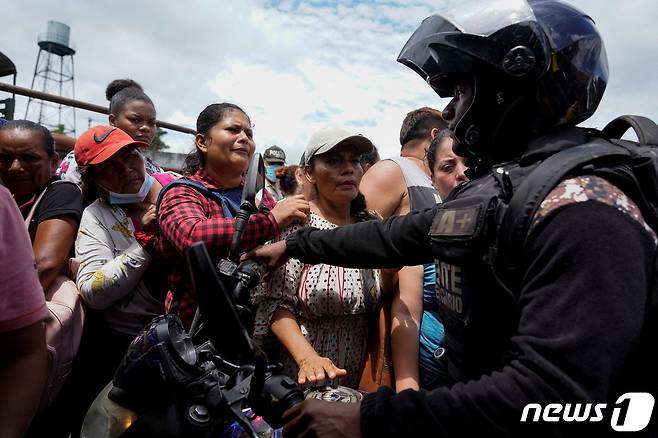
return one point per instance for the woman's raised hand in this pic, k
(148, 216)
(290, 209)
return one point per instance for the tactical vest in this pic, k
(479, 231)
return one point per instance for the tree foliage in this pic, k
(157, 144)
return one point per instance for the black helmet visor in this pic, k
(436, 49)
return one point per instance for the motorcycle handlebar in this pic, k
(273, 393)
(248, 275)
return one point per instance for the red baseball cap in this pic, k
(99, 143)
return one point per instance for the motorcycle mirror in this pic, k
(225, 329)
(254, 182)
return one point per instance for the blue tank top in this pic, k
(432, 373)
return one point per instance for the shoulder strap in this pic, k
(182, 182)
(412, 174)
(645, 129)
(205, 191)
(28, 219)
(536, 186)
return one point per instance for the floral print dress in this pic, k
(331, 305)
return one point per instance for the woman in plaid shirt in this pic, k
(225, 144)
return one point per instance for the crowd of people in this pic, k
(384, 276)
(96, 209)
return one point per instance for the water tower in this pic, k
(53, 74)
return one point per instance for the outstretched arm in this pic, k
(562, 349)
(588, 269)
(396, 241)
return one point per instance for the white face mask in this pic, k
(133, 198)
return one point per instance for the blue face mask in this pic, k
(133, 198)
(270, 172)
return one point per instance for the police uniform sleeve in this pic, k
(582, 309)
(396, 241)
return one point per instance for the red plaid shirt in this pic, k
(186, 216)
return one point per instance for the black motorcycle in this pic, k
(211, 381)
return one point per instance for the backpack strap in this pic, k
(28, 219)
(172, 301)
(33, 209)
(645, 129)
(528, 197)
(227, 209)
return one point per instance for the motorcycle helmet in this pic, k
(533, 65)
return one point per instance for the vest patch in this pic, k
(461, 221)
(448, 286)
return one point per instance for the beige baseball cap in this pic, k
(329, 137)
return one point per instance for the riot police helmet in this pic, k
(533, 65)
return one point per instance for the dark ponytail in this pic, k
(123, 91)
(192, 163)
(360, 211)
(287, 179)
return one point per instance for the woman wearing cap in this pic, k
(118, 277)
(117, 235)
(319, 312)
(225, 145)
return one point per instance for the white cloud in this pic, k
(287, 107)
(293, 65)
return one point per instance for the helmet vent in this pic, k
(519, 61)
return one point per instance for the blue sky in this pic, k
(293, 65)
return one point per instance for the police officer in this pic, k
(565, 329)
(274, 158)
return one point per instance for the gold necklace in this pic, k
(423, 164)
(415, 158)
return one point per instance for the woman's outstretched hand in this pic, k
(316, 369)
(272, 256)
